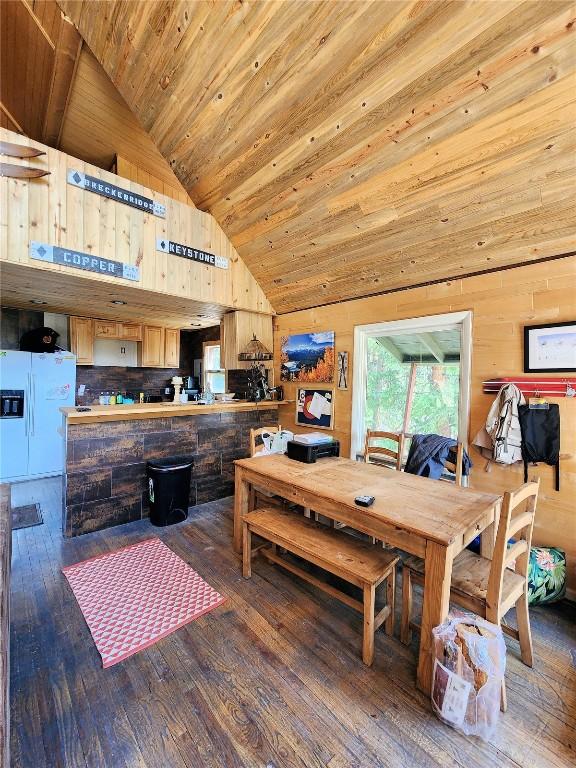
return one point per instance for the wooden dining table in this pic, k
(432, 519)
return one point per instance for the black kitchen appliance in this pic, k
(12, 403)
(309, 453)
(258, 388)
(191, 387)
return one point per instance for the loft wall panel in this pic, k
(53, 211)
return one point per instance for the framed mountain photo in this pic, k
(308, 357)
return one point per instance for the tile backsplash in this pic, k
(96, 379)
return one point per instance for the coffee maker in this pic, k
(191, 387)
(258, 388)
(255, 353)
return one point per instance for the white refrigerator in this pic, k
(33, 388)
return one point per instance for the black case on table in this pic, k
(309, 453)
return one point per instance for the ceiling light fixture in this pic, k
(118, 301)
(37, 301)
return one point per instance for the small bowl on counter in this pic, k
(225, 397)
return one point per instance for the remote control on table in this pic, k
(364, 501)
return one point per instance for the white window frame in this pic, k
(362, 333)
(206, 370)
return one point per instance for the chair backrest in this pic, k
(456, 467)
(372, 452)
(255, 433)
(518, 524)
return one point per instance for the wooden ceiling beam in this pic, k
(66, 57)
(7, 120)
(432, 346)
(389, 346)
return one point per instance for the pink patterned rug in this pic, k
(135, 596)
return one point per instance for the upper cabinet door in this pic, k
(172, 348)
(130, 331)
(152, 347)
(82, 339)
(106, 329)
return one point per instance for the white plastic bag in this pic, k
(469, 666)
(274, 442)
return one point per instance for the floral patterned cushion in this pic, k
(546, 575)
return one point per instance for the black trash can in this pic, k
(169, 490)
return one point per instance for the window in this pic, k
(412, 376)
(214, 374)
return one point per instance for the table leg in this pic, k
(436, 601)
(241, 503)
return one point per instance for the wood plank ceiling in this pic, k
(39, 50)
(353, 147)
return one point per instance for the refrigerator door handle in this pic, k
(32, 402)
(27, 406)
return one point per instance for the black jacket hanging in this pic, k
(540, 428)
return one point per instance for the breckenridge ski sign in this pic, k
(105, 189)
(188, 252)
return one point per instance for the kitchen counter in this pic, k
(100, 413)
(108, 447)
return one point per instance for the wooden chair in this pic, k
(256, 433)
(349, 559)
(373, 452)
(488, 587)
(456, 467)
(256, 492)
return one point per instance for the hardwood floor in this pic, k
(271, 679)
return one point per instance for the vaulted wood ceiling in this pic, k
(352, 147)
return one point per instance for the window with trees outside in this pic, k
(214, 374)
(411, 382)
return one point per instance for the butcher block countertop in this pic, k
(160, 410)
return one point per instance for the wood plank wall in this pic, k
(52, 211)
(139, 174)
(502, 303)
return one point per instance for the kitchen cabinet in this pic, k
(172, 348)
(82, 339)
(105, 329)
(160, 347)
(236, 330)
(130, 331)
(152, 347)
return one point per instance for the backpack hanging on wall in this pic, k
(540, 437)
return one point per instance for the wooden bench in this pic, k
(338, 553)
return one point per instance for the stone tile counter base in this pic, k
(106, 462)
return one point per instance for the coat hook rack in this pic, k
(553, 387)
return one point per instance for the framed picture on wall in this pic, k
(342, 370)
(315, 408)
(307, 357)
(550, 348)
